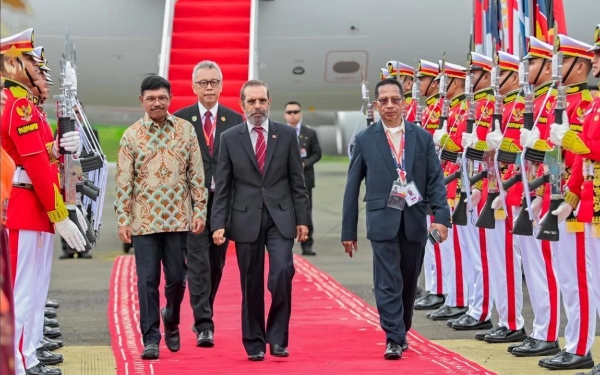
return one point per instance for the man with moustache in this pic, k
(393, 153)
(205, 259)
(261, 200)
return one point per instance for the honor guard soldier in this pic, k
(536, 256)
(405, 74)
(582, 186)
(451, 82)
(572, 253)
(470, 131)
(506, 274)
(35, 208)
(432, 265)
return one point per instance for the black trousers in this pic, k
(396, 265)
(307, 245)
(150, 250)
(205, 262)
(251, 260)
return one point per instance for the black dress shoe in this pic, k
(308, 252)
(52, 332)
(49, 322)
(564, 360)
(504, 335)
(52, 304)
(40, 369)
(51, 341)
(47, 358)
(172, 338)
(392, 351)
(534, 348)
(429, 302)
(594, 371)
(278, 351)
(446, 312)
(84, 255)
(467, 322)
(49, 313)
(65, 255)
(150, 352)
(260, 356)
(481, 334)
(452, 321)
(205, 339)
(49, 345)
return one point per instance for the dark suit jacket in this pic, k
(372, 160)
(308, 140)
(242, 192)
(226, 118)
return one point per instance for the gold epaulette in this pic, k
(508, 145)
(541, 145)
(448, 144)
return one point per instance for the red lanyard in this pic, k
(399, 154)
(208, 137)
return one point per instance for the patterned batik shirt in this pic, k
(160, 177)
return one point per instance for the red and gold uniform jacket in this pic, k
(512, 122)
(27, 138)
(411, 107)
(583, 185)
(431, 114)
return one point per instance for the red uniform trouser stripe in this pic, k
(553, 289)
(460, 293)
(510, 271)
(486, 274)
(438, 269)
(583, 293)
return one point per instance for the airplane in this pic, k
(308, 51)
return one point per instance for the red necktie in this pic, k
(208, 129)
(261, 148)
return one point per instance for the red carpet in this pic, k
(217, 30)
(332, 331)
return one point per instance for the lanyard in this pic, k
(399, 160)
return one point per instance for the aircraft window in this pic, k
(346, 67)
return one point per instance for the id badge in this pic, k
(303, 153)
(413, 195)
(397, 196)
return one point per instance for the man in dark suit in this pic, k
(310, 152)
(389, 154)
(261, 201)
(205, 259)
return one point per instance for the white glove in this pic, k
(475, 198)
(69, 231)
(468, 139)
(558, 131)
(563, 211)
(82, 220)
(494, 138)
(70, 141)
(497, 202)
(525, 135)
(536, 206)
(438, 134)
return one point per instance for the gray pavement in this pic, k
(81, 285)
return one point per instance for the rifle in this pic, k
(553, 158)
(73, 170)
(416, 96)
(525, 160)
(487, 218)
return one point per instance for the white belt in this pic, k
(21, 177)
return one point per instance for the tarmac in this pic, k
(81, 288)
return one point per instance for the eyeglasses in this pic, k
(292, 112)
(384, 101)
(152, 99)
(204, 83)
(262, 101)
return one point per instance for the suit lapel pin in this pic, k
(194, 118)
(274, 136)
(223, 118)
